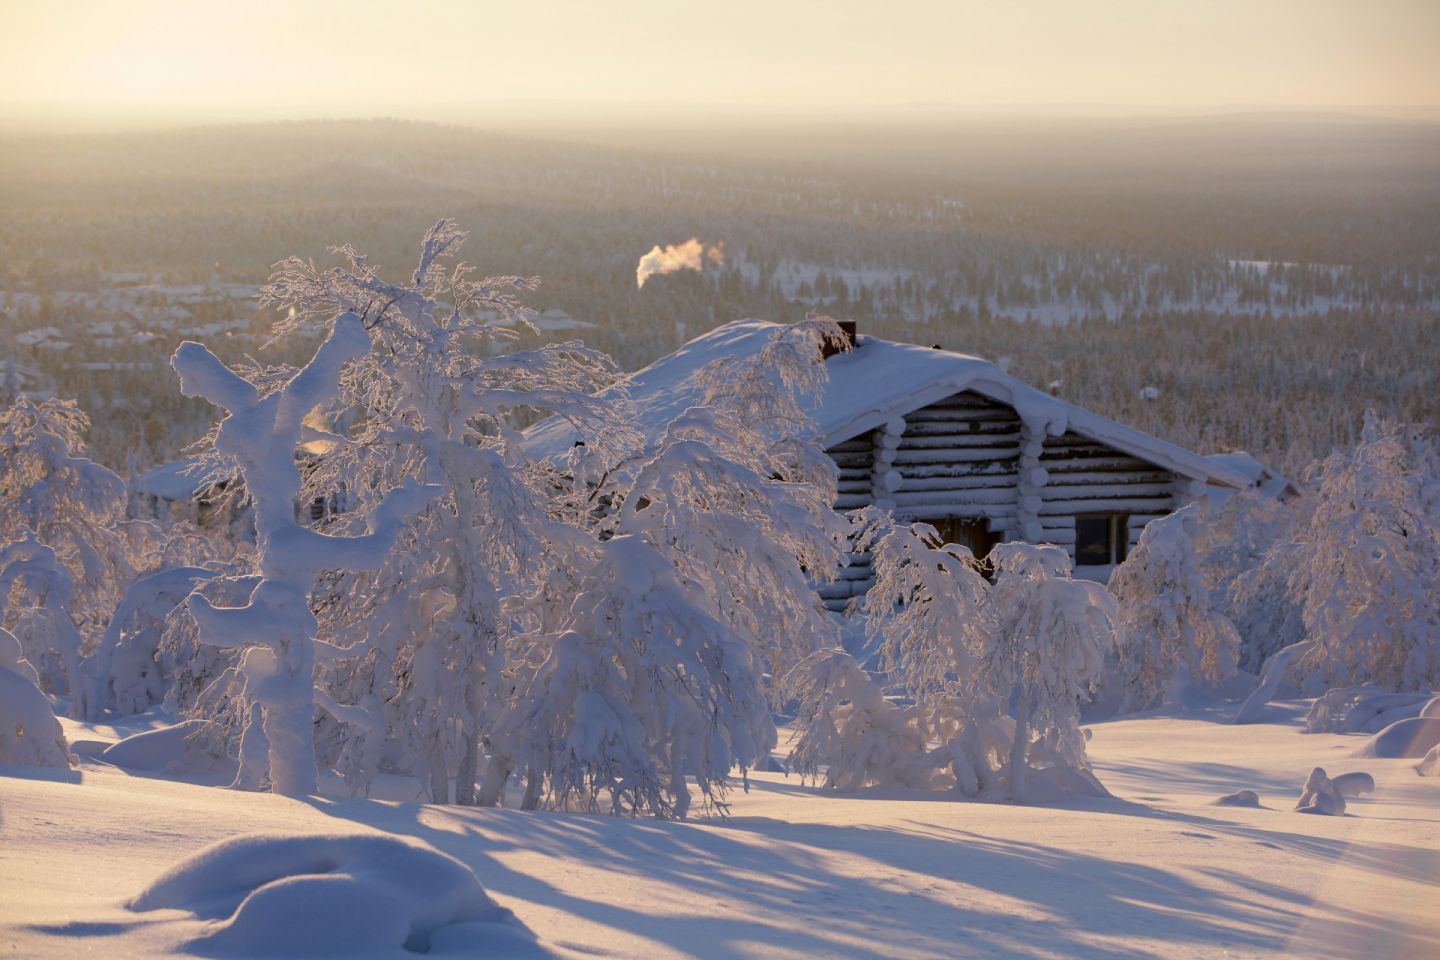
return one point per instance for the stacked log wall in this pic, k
(1084, 476)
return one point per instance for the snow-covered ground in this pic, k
(1159, 871)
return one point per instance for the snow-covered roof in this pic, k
(873, 383)
(1270, 483)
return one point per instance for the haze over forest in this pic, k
(1225, 282)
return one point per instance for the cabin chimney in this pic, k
(848, 329)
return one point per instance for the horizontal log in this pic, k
(948, 454)
(962, 440)
(986, 499)
(973, 481)
(1079, 491)
(1110, 505)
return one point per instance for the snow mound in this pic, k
(193, 746)
(1431, 708)
(1240, 798)
(1320, 795)
(355, 895)
(1430, 766)
(29, 733)
(1404, 739)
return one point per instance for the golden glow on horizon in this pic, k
(370, 56)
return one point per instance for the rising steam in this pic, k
(690, 255)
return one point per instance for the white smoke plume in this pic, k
(690, 255)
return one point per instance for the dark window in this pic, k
(1101, 539)
(969, 532)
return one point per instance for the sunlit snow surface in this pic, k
(1160, 871)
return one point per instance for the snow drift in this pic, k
(189, 747)
(340, 895)
(1404, 739)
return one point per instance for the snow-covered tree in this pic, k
(49, 488)
(125, 672)
(1051, 635)
(275, 628)
(957, 647)
(1244, 549)
(440, 401)
(719, 532)
(926, 606)
(1367, 564)
(849, 733)
(1171, 630)
(639, 690)
(36, 592)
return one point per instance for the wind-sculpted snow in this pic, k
(335, 895)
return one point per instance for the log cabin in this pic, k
(955, 441)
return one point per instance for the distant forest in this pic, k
(1253, 284)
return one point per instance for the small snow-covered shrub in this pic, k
(191, 747)
(641, 691)
(1171, 632)
(1271, 677)
(125, 672)
(1245, 547)
(333, 895)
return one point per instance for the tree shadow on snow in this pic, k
(40, 773)
(917, 890)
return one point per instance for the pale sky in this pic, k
(364, 57)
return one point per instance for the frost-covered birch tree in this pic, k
(441, 399)
(275, 629)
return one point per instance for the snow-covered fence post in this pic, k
(275, 628)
